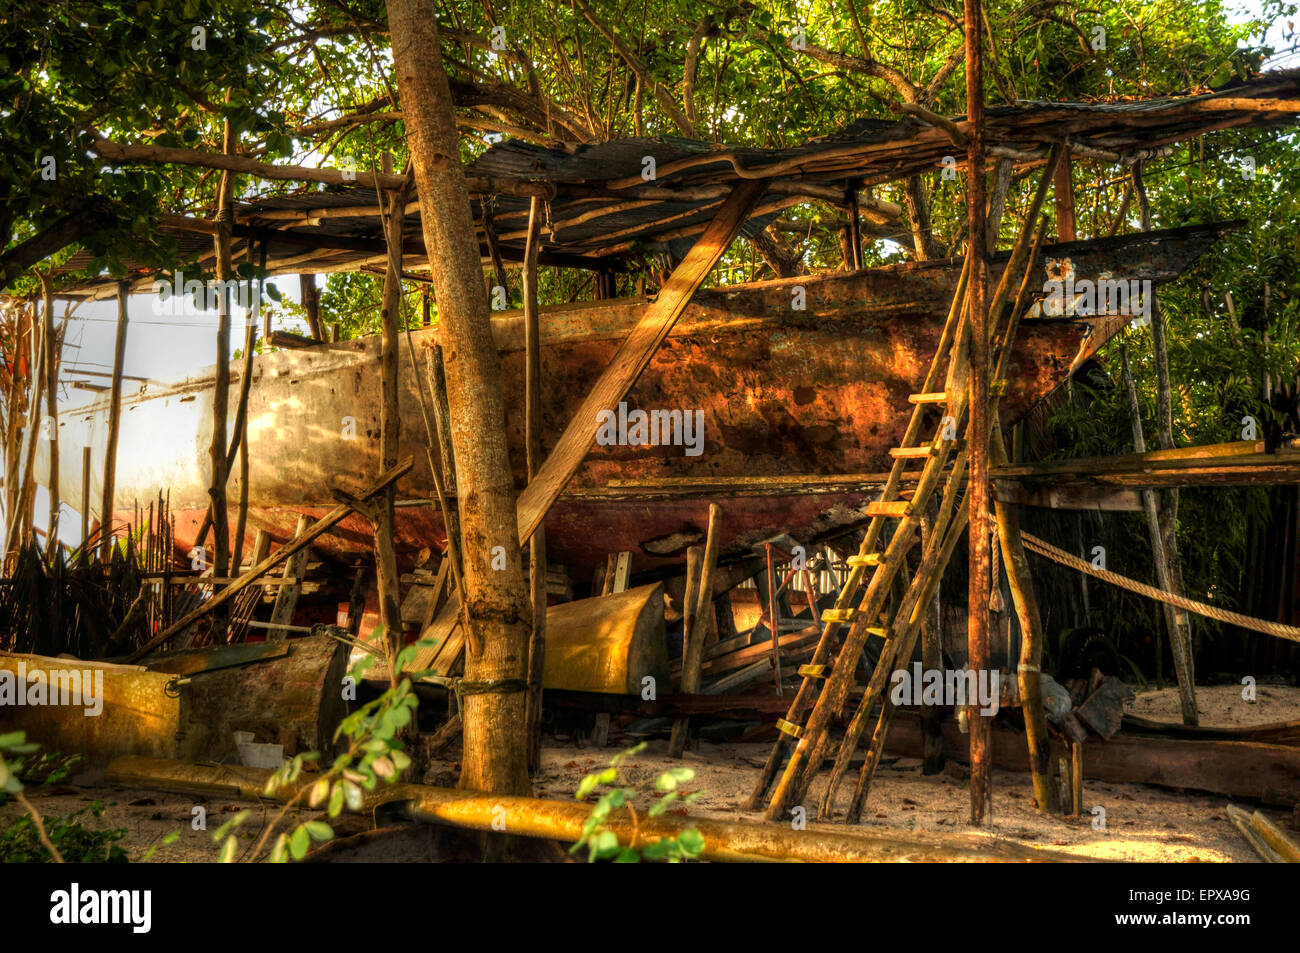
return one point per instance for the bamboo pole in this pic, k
(52, 411)
(85, 494)
(220, 472)
(1029, 670)
(693, 635)
(773, 617)
(1164, 538)
(533, 445)
(114, 424)
(978, 487)
(564, 820)
(390, 425)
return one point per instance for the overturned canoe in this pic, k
(796, 388)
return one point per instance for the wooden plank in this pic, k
(634, 355)
(286, 600)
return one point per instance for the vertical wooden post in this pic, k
(85, 494)
(978, 592)
(855, 228)
(21, 525)
(311, 304)
(51, 410)
(1164, 528)
(773, 617)
(1063, 186)
(114, 422)
(221, 387)
(932, 759)
(390, 424)
(533, 444)
(1076, 778)
(1029, 670)
(693, 637)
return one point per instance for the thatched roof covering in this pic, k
(601, 211)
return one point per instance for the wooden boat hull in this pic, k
(799, 407)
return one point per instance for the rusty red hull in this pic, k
(783, 394)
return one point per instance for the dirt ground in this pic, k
(1142, 823)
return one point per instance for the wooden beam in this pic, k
(978, 484)
(167, 155)
(633, 356)
(533, 450)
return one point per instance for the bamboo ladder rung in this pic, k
(933, 397)
(813, 671)
(842, 616)
(791, 729)
(912, 453)
(870, 559)
(895, 509)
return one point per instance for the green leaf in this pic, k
(228, 849)
(691, 842)
(280, 852)
(300, 843)
(352, 794)
(319, 792)
(336, 799)
(319, 830)
(12, 738)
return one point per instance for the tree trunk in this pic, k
(496, 611)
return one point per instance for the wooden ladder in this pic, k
(861, 604)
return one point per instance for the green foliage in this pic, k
(602, 843)
(20, 841)
(372, 752)
(76, 843)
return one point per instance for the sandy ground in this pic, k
(1142, 823)
(1221, 706)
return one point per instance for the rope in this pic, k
(1043, 548)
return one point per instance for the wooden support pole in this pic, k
(301, 541)
(1167, 551)
(50, 427)
(21, 525)
(533, 445)
(114, 424)
(390, 599)
(978, 486)
(1029, 670)
(693, 635)
(221, 387)
(1076, 778)
(311, 304)
(773, 617)
(1063, 186)
(634, 355)
(85, 494)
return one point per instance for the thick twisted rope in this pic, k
(1043, 548)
